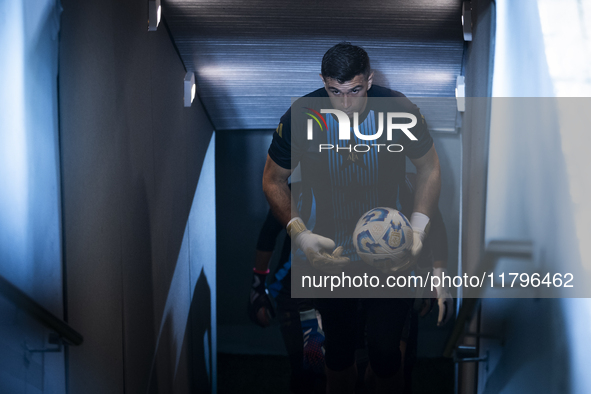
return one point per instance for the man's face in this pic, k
(349, 96)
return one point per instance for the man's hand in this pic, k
(444, 299)
(260, 308)
(318, 249)
(313, 342)
(420, 227)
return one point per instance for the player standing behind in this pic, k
(302, 336)
(348, 81)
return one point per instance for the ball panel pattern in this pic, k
(383, 238)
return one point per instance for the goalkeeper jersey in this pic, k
(345, 182)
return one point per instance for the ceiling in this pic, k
(252, 57)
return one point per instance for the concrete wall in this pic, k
(133, 157)
(527, 174)
(30, 239)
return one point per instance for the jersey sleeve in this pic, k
(289, 139)
(268, 234)
(280, 149)
(412, 149)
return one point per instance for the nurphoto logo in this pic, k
(345, 129)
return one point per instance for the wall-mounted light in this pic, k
(467, 20)
(190, 88)
(461, 93)
(154, 14)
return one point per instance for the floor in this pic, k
(256, 374)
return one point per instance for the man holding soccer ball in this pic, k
(345, 183)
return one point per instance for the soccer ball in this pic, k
(383, 239)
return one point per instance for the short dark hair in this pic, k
(344, 62)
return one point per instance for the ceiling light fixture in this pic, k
(461, 93)
(190, 88)
(154, 14)
(467, 20)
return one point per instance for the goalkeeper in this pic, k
(346, 184)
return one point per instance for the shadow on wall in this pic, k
(200, 337)
(196, 347)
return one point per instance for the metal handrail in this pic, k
(494, 251)
(39, 313)
(464, 315)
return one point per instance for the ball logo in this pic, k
(394, 237)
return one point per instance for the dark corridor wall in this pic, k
(242, 208)
(132, 157)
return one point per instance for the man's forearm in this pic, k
(262, 259)
(440, 264)
(428, 187)
(279, 198)
(277, 192)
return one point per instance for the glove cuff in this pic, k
(308, 315)
(439, 271)
(295, 227)
(258, 280)
(419, 221)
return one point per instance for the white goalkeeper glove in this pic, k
(444, 299)
(318, 249)
(420, 226)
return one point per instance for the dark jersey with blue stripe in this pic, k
(344, 184)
